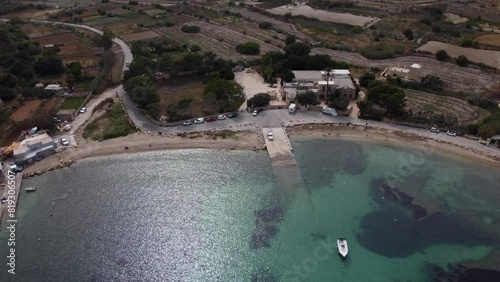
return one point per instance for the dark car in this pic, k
(210, 119)
(232, 115)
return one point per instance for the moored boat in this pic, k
(342, 247)
(30, 189)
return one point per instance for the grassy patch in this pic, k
(114, 123)
(72, 103)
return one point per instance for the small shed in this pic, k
(496, 139)
(67, 114)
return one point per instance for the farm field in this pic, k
(465, 113)
(140, 36)
(489, 39)
(307, 11)
(455, 18)
(487, 57)
(171, 91)
(72, 103)
(456, 78)
(51, 104)
(25, 111)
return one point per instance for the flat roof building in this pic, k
(34, 149)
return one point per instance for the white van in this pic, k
(329, 111)
(292, 108)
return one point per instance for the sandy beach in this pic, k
(248, 140)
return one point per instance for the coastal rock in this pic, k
(38, 172)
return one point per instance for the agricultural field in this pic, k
(72, 103)
(307, 11)
(465, 113)
(173, 90)
(26, 110)
(140, 36)
(456, 19)
(457, 79)
(492, 39)
(487, 57)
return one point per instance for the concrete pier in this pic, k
(4, 214)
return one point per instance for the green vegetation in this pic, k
(265, 25)
(259, 100)
(307, 98)
(462, 61)
(72, 103)
(337, 101)
(382, 51)
(248, 48)
(9, 6)
(190, 29)
(225, 95)
(383, 100)
(442, 55)
(114, 123)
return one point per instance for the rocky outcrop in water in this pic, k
(406, 200)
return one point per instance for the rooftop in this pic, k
(36, 142)
(308, 75)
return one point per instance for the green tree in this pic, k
(442, 55)
(298, 49)
(259, 100)
(409, 34)
(290, 39)
(248, 48)
(366, 78)
(49, 65)
(337, 101)
(107, 38)
(265, 25)
(462, 61)
(307, 98)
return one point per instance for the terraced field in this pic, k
(219, 39)
(465, 113)
(456, 78)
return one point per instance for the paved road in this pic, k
(245, 121)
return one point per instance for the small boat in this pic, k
(30, 189)
(342, 247)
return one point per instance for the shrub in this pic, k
(133, 3)
(441, 55)
(190, 28)
(462, 61)
(248, 48)
(265, 25)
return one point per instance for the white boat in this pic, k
(342, 247)
(30, 189)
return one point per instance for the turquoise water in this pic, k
(191, 216)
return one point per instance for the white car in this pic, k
(64, 142)
(68, 127)
(435, 130)
(221, 117)
(187, 122)
(451, 133)
(255, 113)
(199, 120)
(270, 136)
(83, 110)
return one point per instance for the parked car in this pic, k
(199, 120)
(435, 130)
(64, 142)
(270, 136)
(56, 119)
(83, 110)
(211, 119)
(232, 115)
(255, 113)
(329, 111)
(68, 127)
(451, 133)
(221, 117)
(16, 168)
(187, 122)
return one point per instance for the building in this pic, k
(412, 72)
(56, 88)
(67, 115)
(34, 149)
(322, 82)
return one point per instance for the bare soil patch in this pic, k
(487, 57)
(307, 11)
(25, 111)
(456, 78)
(140, 36)
(172, 90)
(51, 104)
(61, 38)
(489, 39)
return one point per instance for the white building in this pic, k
(34, 149)
(322, 82)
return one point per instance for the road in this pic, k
(245, 121)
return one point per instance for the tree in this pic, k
(49, 65)
(227, 95)
(337, 100)
(248, 48)
(6, 94)
(462, 61)
(259, 100)
(107, 38)
(409, 34)
(327, 76)
(442, 55)
(298, 49)
(190, 28)
(307, 98)
(290, 39)
(366, 78)
(70, 80)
